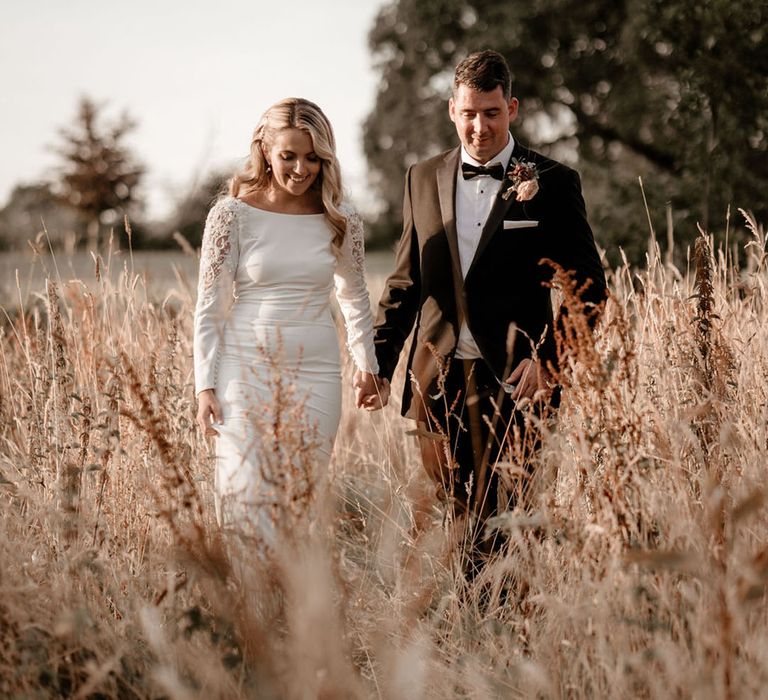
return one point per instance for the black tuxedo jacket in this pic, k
(505, 285)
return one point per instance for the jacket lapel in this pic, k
(446, 191)
(498, 211)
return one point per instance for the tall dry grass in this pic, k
(638, 568)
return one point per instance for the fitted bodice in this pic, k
(286, 266)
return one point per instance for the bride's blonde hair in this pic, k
(296, 113)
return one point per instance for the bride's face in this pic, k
(295, 165)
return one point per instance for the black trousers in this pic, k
(472, 436)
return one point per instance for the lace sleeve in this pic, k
(352, 294)
(218, 264)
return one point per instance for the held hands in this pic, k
(529, 380)
(208, 412)
(371, 392)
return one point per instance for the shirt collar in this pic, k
(502, 157)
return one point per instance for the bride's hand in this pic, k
(371, 392)
(208, 412)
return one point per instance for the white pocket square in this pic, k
(522, 223)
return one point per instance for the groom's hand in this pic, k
(371, 392)
(529, 380)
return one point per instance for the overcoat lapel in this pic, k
(446, 191)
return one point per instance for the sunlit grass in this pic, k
(639, 569)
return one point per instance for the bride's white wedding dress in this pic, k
(265, 341)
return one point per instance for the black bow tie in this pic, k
(468, 171)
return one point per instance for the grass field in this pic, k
(639, 568)
(162, 273)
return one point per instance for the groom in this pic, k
(477, 221)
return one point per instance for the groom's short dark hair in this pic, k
(483, 71)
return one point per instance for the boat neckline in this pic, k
(278, 213)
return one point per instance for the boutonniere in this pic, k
(523, 180)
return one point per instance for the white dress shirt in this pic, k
(474, 200)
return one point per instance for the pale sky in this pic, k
(195, 75)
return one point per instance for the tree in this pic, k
(675, 91)
(100, 175)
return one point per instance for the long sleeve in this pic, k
(399, 302)
(218, 263)
(352, 294)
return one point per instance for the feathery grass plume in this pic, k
(705, 307)
(573, 329)
(68, 473)
(179, 500)
(716, 369)
(715, 365)
(598, 385)
(756, 248)
(109, 429)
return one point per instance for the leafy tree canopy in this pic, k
(674, 91)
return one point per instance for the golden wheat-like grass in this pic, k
(638, 569)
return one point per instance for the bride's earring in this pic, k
(269, 169)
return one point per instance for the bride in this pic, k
(266, 351)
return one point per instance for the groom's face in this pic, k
(482, 120)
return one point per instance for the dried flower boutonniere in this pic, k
(523, 180)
